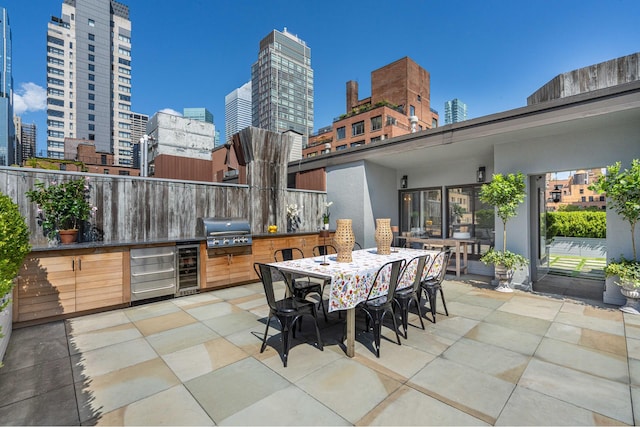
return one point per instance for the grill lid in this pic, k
(224, 232)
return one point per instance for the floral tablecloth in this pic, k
(350, 282)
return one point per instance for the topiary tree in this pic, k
(623, 194)
(506, 193)
(14, 245)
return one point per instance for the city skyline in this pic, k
(508, 51)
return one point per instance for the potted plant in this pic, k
(505, 193)
(62, 207)
(622, 188)
(14, 246)
(326, 215)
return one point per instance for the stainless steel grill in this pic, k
(225, 232)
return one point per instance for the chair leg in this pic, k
(444, 304)
(318, 338)
(395, 325)
(377, 331)
(404, 314)
(431, 293)
(288, 328)
(264, 340)
(416, 299)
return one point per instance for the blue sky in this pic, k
(491, 54)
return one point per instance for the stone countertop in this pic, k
(101, 244)
(167, 241)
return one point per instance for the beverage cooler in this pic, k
(187, 267)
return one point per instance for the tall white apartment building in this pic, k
(89, 78)
(237, 110)
(282, 85)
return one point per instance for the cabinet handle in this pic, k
(73, 264)
(228, 259)
(231, 259)
(79, 264)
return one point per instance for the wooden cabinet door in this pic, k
(241, 268)
(218, 268)
(306, 243)
(99, 280)
(46, 287)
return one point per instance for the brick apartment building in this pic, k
(80, 155)
(574, 190)
(399, 91)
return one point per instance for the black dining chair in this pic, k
(357, 246)
(302, 285)
(409, 284)
(376, 308)
(287, 310)
(432, 281)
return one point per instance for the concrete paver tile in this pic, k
(164, 322)
(520, 323)
(174, 406)
(501, 363)
(102, 394)
(146, 311)
(530, 408)
(103, 360)
(94, 322)
(408, 407)
(230, 389)
(176, 339)
(476, 393)
(87, 341)
(201, 359)
(609, 398)
(302, 410)
(348, 388)
(594, 362)
(510, 339)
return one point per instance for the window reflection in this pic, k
(421, 212)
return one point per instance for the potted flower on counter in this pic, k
(62, 207)
(326, 215)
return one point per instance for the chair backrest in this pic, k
(411, 275)
(287, 254)
(387, 276)
(357, 246)
(438, 268)
(266, 274)
(432, 269)
(324, 250)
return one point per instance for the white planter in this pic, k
(503, 277)
(6, 324)
(633, 297)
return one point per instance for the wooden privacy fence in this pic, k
(134, 209)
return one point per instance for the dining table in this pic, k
(350, 282)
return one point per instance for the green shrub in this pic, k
(577, 224)
(14, 244)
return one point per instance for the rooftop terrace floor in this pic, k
(497, 359)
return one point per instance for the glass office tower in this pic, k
(282, 85)
(7, 130)
(89, 78)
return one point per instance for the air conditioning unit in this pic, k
(233, 173)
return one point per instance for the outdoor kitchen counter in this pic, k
(69, 280)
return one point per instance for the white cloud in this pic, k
(29, 97)
(170, 111)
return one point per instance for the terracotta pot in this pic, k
(383, 235)
(68, 237)
(343, 240)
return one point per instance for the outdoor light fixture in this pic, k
(556, 193)
(481, 174)
(403, 181)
